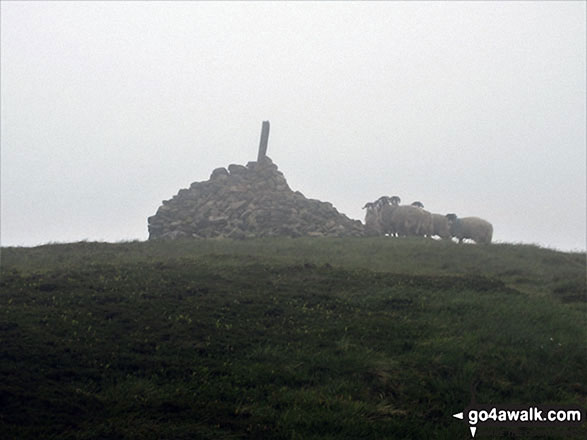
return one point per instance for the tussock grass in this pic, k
(284, 338)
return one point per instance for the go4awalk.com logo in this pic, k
(514, 416)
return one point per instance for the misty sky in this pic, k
(476, 108)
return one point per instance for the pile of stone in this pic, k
(247, 201)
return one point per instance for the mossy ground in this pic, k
(285, 338)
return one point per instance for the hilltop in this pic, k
(285, 338)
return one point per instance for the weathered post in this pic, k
(264, 140)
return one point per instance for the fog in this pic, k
(476, 108)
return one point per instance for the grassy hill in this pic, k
(286, 338)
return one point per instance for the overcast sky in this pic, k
(476, 108)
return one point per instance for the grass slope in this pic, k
(285, 338)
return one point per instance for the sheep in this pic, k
(475, 228)
(426, 227)
(440, 226)
(381, 201)
(386, 206)
(411, 220)
(394, 200)
(386, 216)
(386, 200)
(405, 220)
(373, 215)
(372, 222)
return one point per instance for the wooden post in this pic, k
(264, 140)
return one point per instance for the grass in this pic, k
(285, 338)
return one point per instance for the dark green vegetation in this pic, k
(285, 339)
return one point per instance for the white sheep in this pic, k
(475, 228)
(372, 221)
(386, 224)
(386, 216)
(405, 220)
(385, 206)
(440, 226)
(426, 226)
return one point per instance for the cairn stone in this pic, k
(247, 201)
(219, 173)
(235, 169)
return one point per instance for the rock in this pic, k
(244, 202)
(238, 188)
(174, 235)
(237, 234)
(219, 173)
(236, 205)
(217, 220)
(237, 169)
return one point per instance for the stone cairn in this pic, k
(248, 201)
